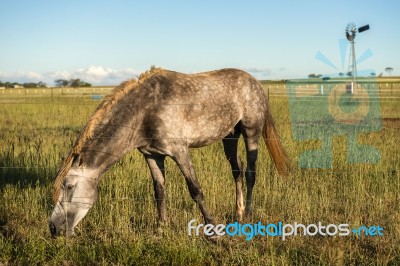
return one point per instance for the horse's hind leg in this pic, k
(156, 165)
(230, 148)
(250, 178)
(251, 141)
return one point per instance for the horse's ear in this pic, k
(77, 159)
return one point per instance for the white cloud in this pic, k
(93, 73)
(99, 75)
(258, 72)
(58, 75)
(96, 75)
(21, 76)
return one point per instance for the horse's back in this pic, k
(205, 107)
(207, 88)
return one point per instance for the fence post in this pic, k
(391, 88)
(334, 96)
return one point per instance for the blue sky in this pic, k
(105, 42)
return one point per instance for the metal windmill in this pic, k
(351, 30)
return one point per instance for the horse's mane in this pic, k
(102, 110)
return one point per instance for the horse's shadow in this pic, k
(21, 176)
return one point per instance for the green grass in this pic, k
(121, 228)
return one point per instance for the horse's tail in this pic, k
(275, 148)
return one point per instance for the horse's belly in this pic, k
(204, 133)
(199, 125)
(206, 139)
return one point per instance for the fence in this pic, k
(273, 88)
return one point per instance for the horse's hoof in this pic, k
(214, 239)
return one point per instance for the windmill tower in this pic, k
(351, 30)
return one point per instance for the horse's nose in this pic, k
(53, 229)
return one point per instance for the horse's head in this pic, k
(106, 137)
(75, 194)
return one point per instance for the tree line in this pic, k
(25, 85)
(75, 83)
(388, 70)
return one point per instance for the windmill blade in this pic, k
(343, 48)
(367, 54)
(363, 28)
(319, 56)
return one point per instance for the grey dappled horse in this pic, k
(164, 113)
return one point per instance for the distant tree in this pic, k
(350, 74)
(41, 84)
(75, 83)
(85, 84)
(33, 85)
(313, 76)
(389, 70)
(61, 83)
(29, 85)
(341, 74)
(373, 74)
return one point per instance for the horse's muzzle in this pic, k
(53, 230)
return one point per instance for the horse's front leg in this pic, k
(184, 163)
(156, 165)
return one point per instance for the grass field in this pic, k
(38, 129)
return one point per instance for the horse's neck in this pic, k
(112, 141)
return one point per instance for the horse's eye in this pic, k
(69, 186)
